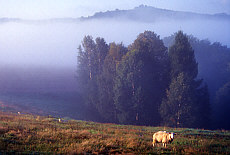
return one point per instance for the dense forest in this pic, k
(179, 81)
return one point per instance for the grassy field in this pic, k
(31, 134)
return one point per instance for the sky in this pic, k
(43, 9)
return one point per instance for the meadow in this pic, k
(34, 134)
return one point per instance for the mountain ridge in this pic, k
(142, 13)
(146, 13)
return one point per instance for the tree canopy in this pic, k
(144, 83)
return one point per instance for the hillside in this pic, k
(151, 14)
(40, 134)
(141, 13)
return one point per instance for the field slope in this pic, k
(39, 134)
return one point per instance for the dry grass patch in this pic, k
(31, 134)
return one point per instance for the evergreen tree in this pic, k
(182, 58)
(185, 96)
(213, 62)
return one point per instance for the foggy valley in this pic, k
(38, 59)
(114, 77)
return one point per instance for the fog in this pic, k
(42, 57)
(55, 44)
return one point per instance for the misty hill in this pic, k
(145, 13)
(141, 13)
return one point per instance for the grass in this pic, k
(31, 134)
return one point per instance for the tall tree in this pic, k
(90, 63)
(213, 60)
(184, 96)
(107, 106)
(176, 109)
(182, 58)
(102, 50)
(141, 80)
(127, 88)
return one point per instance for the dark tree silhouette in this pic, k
(184, 99)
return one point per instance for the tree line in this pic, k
(145, 83)
(214, 68)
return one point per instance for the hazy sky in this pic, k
(75, 8)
